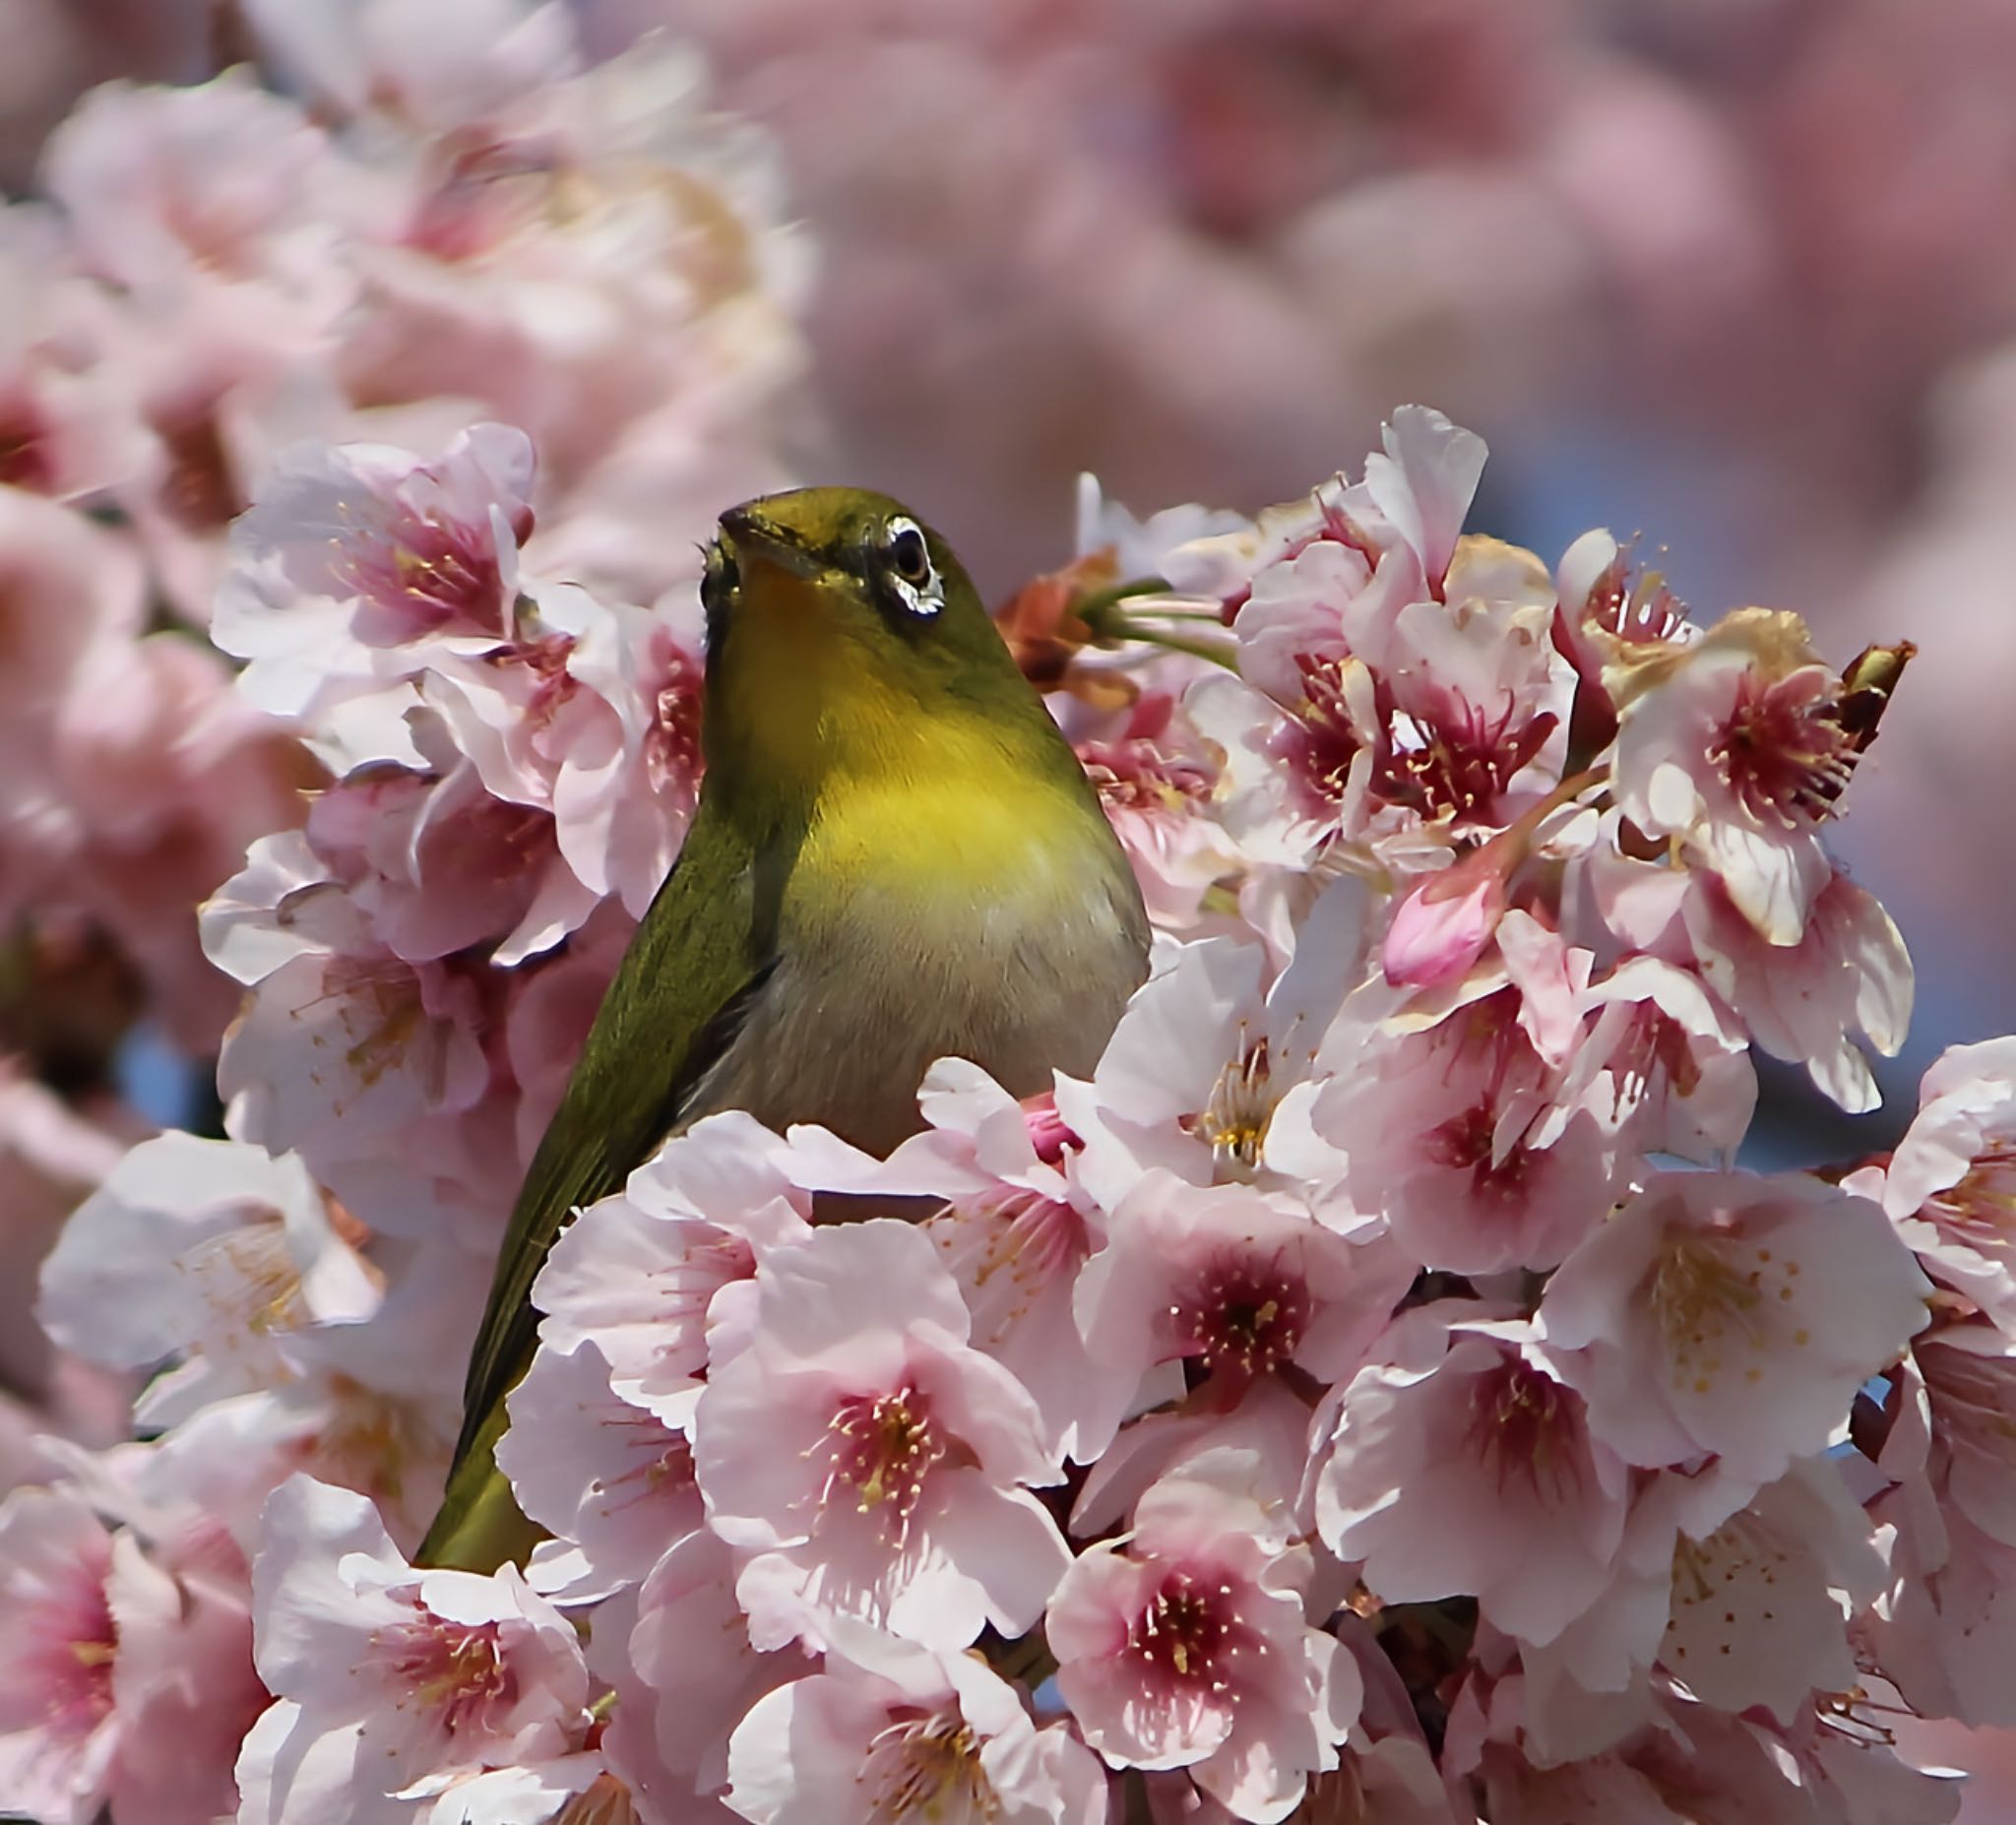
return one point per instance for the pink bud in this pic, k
(1442, 927)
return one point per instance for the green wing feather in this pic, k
(702, 953)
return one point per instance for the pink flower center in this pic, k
(927, 1766)
(455, 1670)
(544, 662)
(1653, 1049)
(482, 192)
(1523, 1423)
(1187, 1636)
(422, 575)
(1137, 775)
(1783, 750)
(1326, 739)
(1028, 1236)
(671, 746)
(884, 1446)
(1461, 761)
(1457, 761)
(1242, 1316)
(1643, 611)
(671, 1469)
(1466, 1144)
(63, 1677)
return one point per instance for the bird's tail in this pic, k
(478, 1526)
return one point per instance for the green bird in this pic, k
(895, 857)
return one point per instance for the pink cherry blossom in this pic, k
(1741, 753)
(164, 776)
(1446, 1137)
(1708, 1286)
(676, 1710)
(392, 1040)
(1756, 1618)
(1185, 1645)
(1155, 777)
(1946, 1625)
(351, 556)
(1017, 1229)
(1240, 1281)
(1948, 1184)
(870, 1459)
(611, 1483)
(1850, 972)
(66, 431)
(1211, 1055)
(120, 1683)
(1461, 1464)
(887, 1728)
(58, 1730)
(637, 1277)
(388, 1677)
(1663, 1064)
(208, 1250)
(172, 191)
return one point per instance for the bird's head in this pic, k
(841, 632)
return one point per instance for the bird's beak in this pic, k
(754, 535)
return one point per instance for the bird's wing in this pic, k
(684, 986)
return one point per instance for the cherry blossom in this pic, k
(1238, 1281)
(1741, 753)
(365, 550)
(1948, 1184)
(1848, 972)
(894, 1728)
(869, 1457)
(1185, 1647)
(1017, 1228)
(635, 1279)
(1461, 1420)
(209, 1251)
(1212, 1055)
(121, 1683)
(612, 1484)
(1445, 1139)
(386, 1677)
(1705, 1286)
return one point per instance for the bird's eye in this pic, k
(911, 575)
(909, 556)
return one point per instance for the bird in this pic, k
(894, 856)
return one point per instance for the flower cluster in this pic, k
(383, 228)
(457, 219)
(1374, 1392)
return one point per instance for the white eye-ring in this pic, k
(912, 573)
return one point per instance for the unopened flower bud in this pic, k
(1444, 926)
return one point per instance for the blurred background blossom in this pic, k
(1731, 275)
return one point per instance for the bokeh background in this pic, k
(1734, 277)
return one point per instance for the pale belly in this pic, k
(864, 1000)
